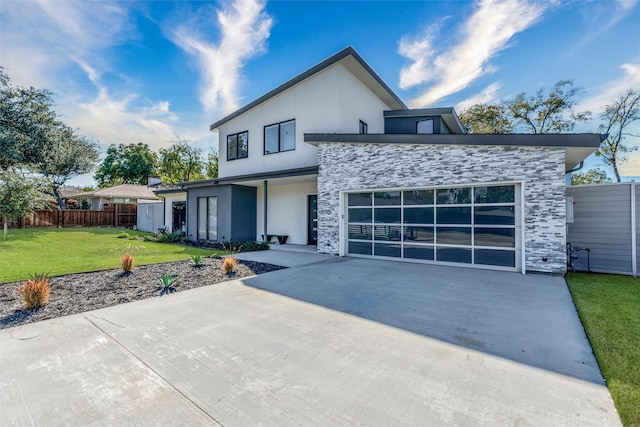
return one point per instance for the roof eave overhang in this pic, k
(577, 146)
(351, 60)
(238, 179)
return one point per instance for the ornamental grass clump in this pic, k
(127, 261)
(35, 292)
(229, 265)
(196, 261)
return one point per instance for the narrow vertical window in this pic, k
(207, 218)
(363, 128)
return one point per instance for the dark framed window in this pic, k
(363, 128)
(424, 126)
(280, 137)
(238, 145)
(208, 218)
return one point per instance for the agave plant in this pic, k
(167, 284)
(196, 261)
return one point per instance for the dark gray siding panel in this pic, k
(223, 192)
(407, 125)
(602, 223)
(243, 209)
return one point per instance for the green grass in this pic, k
(609, 307)
(73, 250)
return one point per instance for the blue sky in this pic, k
(124, 72)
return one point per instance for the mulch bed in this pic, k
(77, 293)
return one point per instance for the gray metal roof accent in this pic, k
(348, 51)
(448, 114)
(540, 140)
(310, 170)
(168, 191)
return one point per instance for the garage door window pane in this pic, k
(387, 232)
(503, 237)
(418, 234)
(454, 215)
(360, 248)
(495, 215)
(418, 197)
(361, 232)
(386, 198)
(418, 252)
(382, 249)
(453, 235)
(450, 196)
(495, 257)
(495, 194)
(359, 199)
(359, 215)
(418, 215)
(387, 215)
(453, 255)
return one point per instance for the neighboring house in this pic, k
(123, 194)
(334, 158)
(174, 204)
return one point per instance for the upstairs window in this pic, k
(238, 145)
(363, 128)
(424, 126)
(280, 137)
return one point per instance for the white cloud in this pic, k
(487, 96)
(609, 91)
(245, 28)
(41, 38)
(604, 16)
(487, 32)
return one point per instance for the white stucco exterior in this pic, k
(333, 99)
(287, 210)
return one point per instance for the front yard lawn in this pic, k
(58, 251)
(609, 307)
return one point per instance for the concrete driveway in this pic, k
(334, 342)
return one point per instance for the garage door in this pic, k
(472, 225)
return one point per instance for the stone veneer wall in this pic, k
(351, 166)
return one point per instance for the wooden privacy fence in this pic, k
(115, 215)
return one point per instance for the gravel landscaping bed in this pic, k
(77, 293)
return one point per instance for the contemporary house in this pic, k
(334, 158)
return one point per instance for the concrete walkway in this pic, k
(334, 341)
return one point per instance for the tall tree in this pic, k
(20, 195)
(212, 165)
(616, 119)
(180, 162)
(126, 164)
(591, 176)
(65, 156)
(539, 113)
(485, 118)
(26, 115)
(550, 113)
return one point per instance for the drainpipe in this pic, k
(265, 211)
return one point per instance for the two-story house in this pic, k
(334, 158)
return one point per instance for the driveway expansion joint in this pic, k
(123, 347)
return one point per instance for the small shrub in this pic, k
(35, 291)
(167, 284)
(229, 264)
(127, 261)
(196, 261)
(173, 237)
(123, 235)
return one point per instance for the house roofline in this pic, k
(590, 140)
(348, 51)
(287, 173)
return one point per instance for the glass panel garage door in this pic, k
(469, 225)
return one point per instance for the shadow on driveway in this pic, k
(529, 319)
